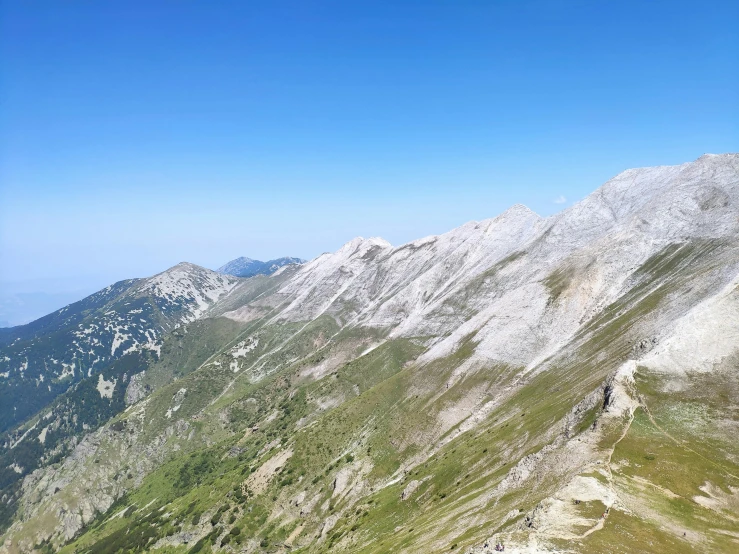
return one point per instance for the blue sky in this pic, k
(134, 135)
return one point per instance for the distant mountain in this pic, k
(42, 359)
(246, 267)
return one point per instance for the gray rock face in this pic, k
(135, 390)
(521, 283)
(409, 489)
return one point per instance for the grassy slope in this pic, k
(678, 443)
(388, 411)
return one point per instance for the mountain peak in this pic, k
(519, 210)
(361, 241)
(184, 265)
(247, 267)
(727, 155)
(362, 244)
(241, 259)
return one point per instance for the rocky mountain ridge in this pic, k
(554, 384)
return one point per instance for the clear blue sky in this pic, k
(134, 135)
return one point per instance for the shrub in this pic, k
(287, 481)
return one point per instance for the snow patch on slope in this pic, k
(105, 388)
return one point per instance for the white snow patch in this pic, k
(119, 338)
(106, 388)
(177, 399)
(67, 370)
(244, 347)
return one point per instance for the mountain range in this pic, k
(559, 384)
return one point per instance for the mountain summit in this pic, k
(559, 384)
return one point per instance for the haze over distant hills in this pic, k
(558, 384)
(18, 308)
